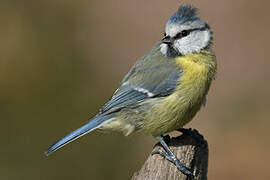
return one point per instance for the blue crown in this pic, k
(184, 13)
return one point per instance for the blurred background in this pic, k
(60, 61)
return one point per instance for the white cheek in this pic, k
(206, 38)
(164, 49)
(193, 43)
(181, 46)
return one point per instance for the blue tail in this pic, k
(92, 125)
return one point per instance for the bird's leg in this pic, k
(170, 156)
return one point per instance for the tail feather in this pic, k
(87, 128)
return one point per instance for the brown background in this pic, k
(60, 60)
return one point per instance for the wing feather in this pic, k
(151, 77)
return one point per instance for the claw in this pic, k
(169, 155)
(163, 154)
(185, 170)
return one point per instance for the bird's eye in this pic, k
(184, 33)
(164, 34)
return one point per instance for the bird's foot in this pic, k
(170, 156)
(180, 166)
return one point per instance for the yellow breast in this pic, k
(193, 81)
(174, 111)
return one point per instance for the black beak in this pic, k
(167, 40)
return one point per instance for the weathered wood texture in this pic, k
(190, 148)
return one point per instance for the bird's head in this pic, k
(185, 33)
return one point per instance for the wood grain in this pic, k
(190, 148)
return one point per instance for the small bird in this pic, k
(165, 89)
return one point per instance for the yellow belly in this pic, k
(174, 111)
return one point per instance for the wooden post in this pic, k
(190, 148)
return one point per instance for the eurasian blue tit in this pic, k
(165, 89)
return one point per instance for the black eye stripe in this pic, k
(185, 33)
(182, 34)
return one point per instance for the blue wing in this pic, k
(153, 76)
